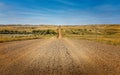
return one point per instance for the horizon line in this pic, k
(54, 24)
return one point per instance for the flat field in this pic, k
(24, 32)
(109, 34)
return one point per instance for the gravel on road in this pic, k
(63, 56)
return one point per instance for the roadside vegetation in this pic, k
(15, 33)
(102, 33)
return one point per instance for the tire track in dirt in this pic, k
(19, 54)
(104, 58)
(61, 56)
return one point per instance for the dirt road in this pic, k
(59, 32)
(59, 57)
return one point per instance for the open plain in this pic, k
(59, 56)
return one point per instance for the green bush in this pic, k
(44, 32)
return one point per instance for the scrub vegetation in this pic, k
(109, 34)
(22, 32)
(102, 33)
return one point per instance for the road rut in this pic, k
(61, 56)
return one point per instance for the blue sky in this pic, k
(60, 12)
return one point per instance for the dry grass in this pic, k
(109, 34)
(26, 32)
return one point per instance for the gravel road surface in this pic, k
(62, 56)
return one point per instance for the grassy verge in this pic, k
(101, 39)
(109, 34)
(19, 37)
(18, 33)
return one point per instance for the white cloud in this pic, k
(2, 5)
(66, 2)
(108, 7)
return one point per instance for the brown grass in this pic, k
(109, 34)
